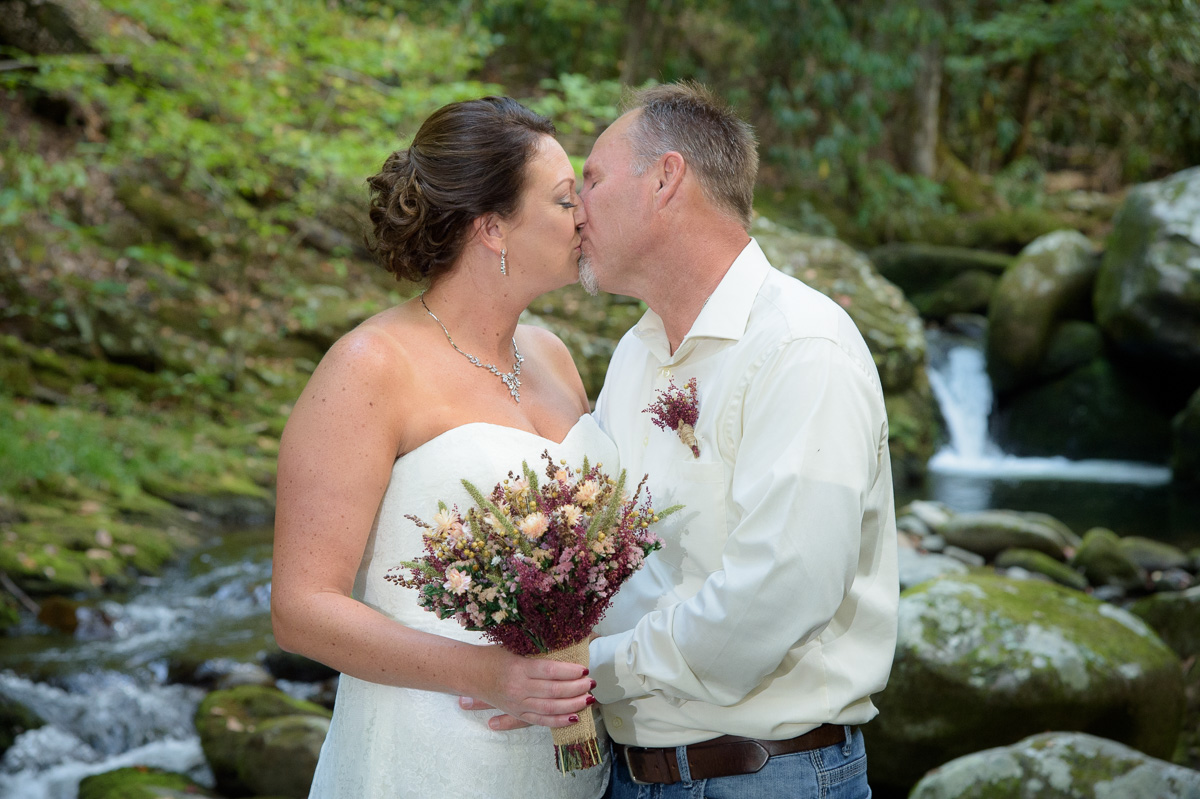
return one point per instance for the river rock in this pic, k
(238, 720)
(1185, 443)
(990, 532)
(1041, 563)
(1059, 765)
(1051, 280)
(1072, 344)
(297, 668)
(923, 268)
(984, 661)
(917, 567)
(1147, 295)
(934, 514)
(1153, 555)
(969, 292)
(1175, 616)
(1102, 561)
(141, 782)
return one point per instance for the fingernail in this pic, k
(586, 672)
(463, 702)
(593, 684)
(573, 719)
(493, 723)
(591, 700)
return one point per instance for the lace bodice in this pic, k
(399, 742)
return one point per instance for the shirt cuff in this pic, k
(609, 667)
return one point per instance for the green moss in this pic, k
(137, 782)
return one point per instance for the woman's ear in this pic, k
(491, 230)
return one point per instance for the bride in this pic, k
(481, 207)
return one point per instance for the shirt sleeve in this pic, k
(812, 425)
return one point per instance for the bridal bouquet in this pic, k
(534, 564)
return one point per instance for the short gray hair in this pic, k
(722, 149)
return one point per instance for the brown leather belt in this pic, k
(726, 756)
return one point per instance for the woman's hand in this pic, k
(530, 691)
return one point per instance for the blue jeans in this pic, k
(835, 772)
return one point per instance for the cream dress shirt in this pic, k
(771, 608)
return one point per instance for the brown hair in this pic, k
(468, 159)
(722, 149)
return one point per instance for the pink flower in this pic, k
(456, 581)
(534, 526)
(587, 492)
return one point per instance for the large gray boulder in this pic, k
(984, 661)
(1050, 281)
(1147, 295)
(1059, 765)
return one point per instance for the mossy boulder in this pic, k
(924, 268)
(1175, 616)
(1147, 295)
(1040, 563)
(984, 661)
(141, 782)
(969, 292)
(1059, 765)
(280, 756)
(990, 532)
(1102, 560)
(234, 721)
(1185, 443)
(1153, 555)
(1094, 411)
(1051, 280)
(1072, 344)
(918, 567)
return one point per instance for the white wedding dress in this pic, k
(389, 743)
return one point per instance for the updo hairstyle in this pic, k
(468, 159)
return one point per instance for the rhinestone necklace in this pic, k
(511, 380)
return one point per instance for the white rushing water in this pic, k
(97, 722)
(959, 379)
(110, 705)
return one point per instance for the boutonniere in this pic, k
(678, 409)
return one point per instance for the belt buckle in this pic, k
(629, 767)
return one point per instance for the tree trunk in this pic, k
(927, 92)
(1029, 86)
(639, 20)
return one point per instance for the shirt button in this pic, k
(646, 441)
(617, 723)
(665, 372)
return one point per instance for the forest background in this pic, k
(181, 193)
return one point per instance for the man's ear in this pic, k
(490, 229)
(671, 169)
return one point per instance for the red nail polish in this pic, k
(593, 685)
(591, 700)
(573, 719)
(586, 672)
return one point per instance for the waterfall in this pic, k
(958, 377)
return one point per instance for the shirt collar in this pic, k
(725, 313)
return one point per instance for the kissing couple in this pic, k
(740, 661)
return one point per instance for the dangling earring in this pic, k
(503, 266)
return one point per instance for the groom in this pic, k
(768, 619)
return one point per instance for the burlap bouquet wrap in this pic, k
(575, 747)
